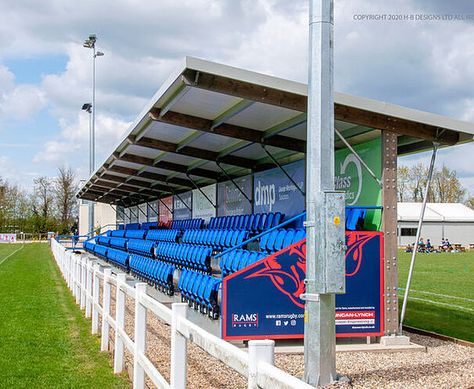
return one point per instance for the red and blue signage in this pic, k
(262, 300)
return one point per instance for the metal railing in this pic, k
(84, 278)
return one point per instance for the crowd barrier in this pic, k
(84, 278)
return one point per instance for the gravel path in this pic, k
(444, 365)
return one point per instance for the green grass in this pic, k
(442, 293)
(45, 341)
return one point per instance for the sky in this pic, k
(45, 72)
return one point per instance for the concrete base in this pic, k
(354, 348)
(395, 340)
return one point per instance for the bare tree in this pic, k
(44, 196)
(417, 177)
(403, 181)
(65, 187)
(470, 202)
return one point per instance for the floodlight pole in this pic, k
(90, 44)
(322, 236)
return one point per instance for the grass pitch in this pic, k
(45, 341)
(442, 293)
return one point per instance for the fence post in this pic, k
(95, 299)
(82, 284)
(104, 341)
(259, 351)
(77, 261)
(120, 322)
(178, 348)
(140, 336)
(89, 270)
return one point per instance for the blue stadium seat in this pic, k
(135, 234)
(117, 233)
(118, 243)
(118, 257)
(100, 251)
(355, 219)
(132, 226)
(140, 246)
(103, 240)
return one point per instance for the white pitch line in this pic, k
(9, 255)
(442, 304)
(440, 295)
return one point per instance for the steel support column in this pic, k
(389, 228)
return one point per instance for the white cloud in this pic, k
(421, 65)
(73, 143)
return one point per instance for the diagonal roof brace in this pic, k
(283, 170)
(202, 192)
(234, 183)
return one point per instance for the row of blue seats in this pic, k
(187, 224)
(201, 291)
(219, 239)
(185, 255)
(119, 258)
(253, 222)
(157, 273)
(160, 235)
(238, 259)
(281, 238)
(137, 246)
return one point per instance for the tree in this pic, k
(470, 202)
(446, 186)
(403, 181)
(65, 188)
(417, 181)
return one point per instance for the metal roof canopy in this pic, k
(208, 122)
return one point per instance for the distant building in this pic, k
(453, 221)
(104, 216)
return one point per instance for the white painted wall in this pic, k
(103, 214)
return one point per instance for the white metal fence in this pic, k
(84, 278)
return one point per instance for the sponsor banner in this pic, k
(180, 210)
(142, 213)
(262, 300)
(356, 181)
(202, 207)
(7, 238)
(230, 199)
(165, 210)
(274, 191)
(152, 211)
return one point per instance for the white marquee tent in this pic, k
(453, 221)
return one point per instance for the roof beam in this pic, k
(299, 103)
(170, 166)
(195, 152)
(397, 125)
(244, 90)
(229, 130)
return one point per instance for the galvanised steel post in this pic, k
(319, 318)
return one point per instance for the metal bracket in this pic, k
(200, 190)
(282, 169)
(309, 297)
(235, 184)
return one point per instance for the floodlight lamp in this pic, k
(87, 107)
(99, 54)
